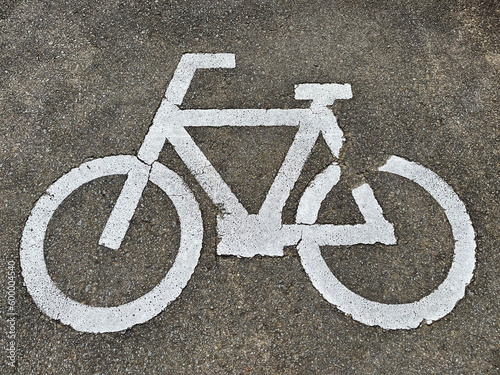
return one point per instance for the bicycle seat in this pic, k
(322, 93)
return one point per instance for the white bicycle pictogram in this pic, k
(243, 234)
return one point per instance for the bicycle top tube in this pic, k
(242, 117)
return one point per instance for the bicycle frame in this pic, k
(241, 233)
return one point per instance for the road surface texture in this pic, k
(82, 80)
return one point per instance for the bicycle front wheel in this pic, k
(51, 300)
(429, 308)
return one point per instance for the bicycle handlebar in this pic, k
(184, 73)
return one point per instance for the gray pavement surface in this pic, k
(81, 80)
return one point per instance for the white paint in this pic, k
(240, 233)
(119, 220)
(187, 66)
(375, 229)
(322, 94)
(86, 318)
(316, 192)
(429, 308)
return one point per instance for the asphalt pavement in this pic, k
(83, 80)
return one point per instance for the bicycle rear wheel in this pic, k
(431, 307)
(51, 300)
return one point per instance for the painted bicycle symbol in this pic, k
(243, 234)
